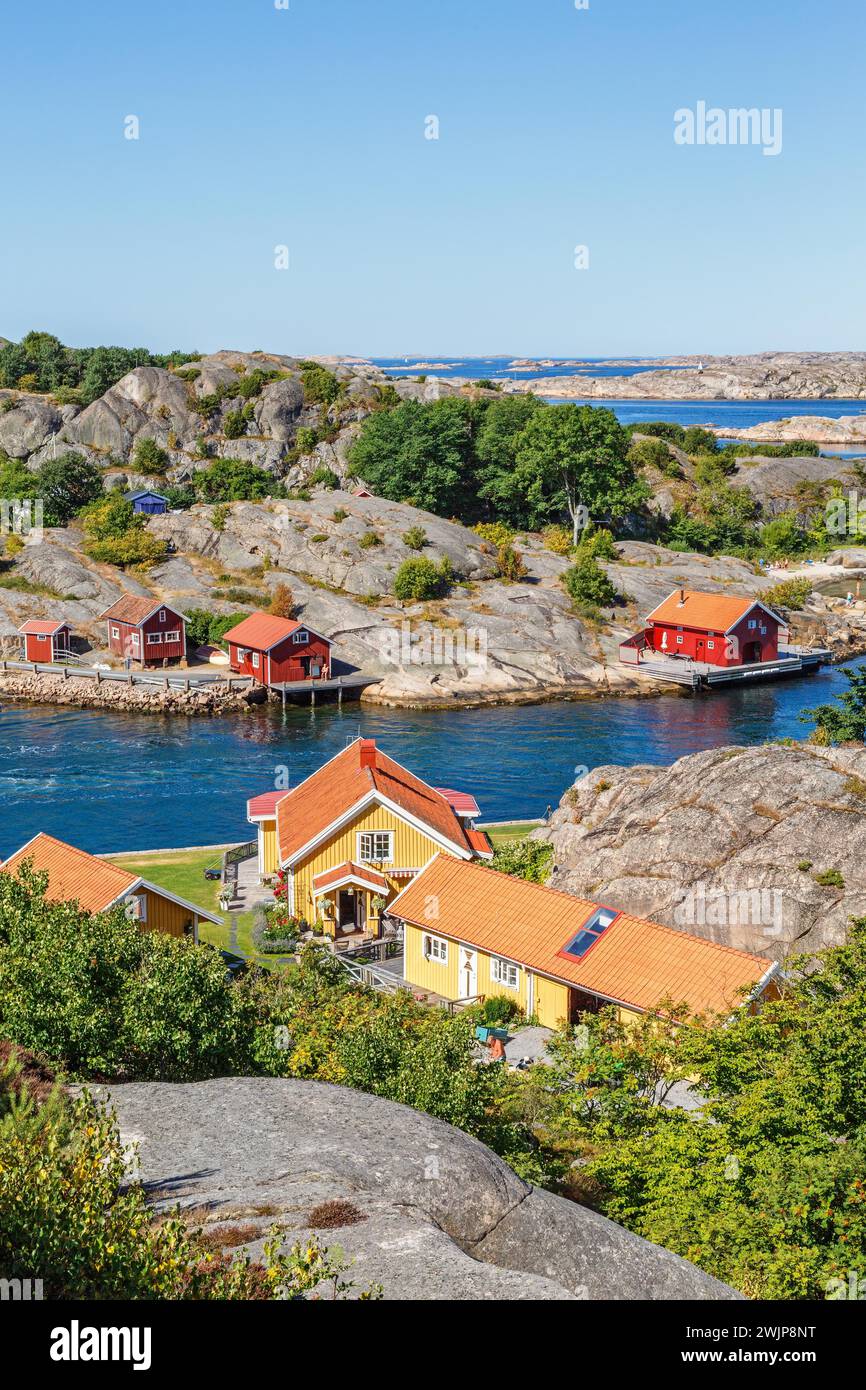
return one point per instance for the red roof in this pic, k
(708, 612)
(359, 770)
(463, 802)
(39, 627)
(263, 631)
(479, 842)
(265, 804)
(134, 610)
(361, 873)
(634, 961)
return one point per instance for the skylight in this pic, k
(592, 930)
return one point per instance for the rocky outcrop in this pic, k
(760, 376)
(85, 692)
(437, 1215)
(819, 429)
(696, 845)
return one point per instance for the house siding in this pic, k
(412, 850)
(163, 915)
(149, 654)
(283, 662)
(550, 1004)
(727, 651)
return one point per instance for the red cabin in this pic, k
(45, 640)
(276, 650)
(144, 631)
(719, 629)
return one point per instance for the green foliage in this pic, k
(558, 539)
(418, 453)
(510, 564)
(234, 424)
(415, 538)
(116, 535)
(784, 536)
(68, 483)
(324, 477)
(321, 387)
(790, 593)
(235, 480)
(653, 453)
(529, 859)
(180, 496)
(496, 533)
(421, 579)
(498, 1009)
(40, 362)
(219, 516)
(148, 457)
(369, 540)
(829, 878)
(587, 584)
(844, 721)
(205, 629)
(596, 543)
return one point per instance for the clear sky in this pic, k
(305, 127)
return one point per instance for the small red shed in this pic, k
(145, 631)
(719, 629)
(276, 650)
(45, 640)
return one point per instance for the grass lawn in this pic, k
(503, 834)
(183, 873)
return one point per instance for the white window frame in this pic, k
(138, 907)
(115, 632)
(711, 646)
(255, 661)
(373, 857)
(752, 624)
(679, 639)
(171, 637)
(505, 972)
(435, 948)
(42, 637)
(162, 615)
(136, 641)
(300, 636)
(154, 639)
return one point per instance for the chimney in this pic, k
(682, 601)
(368, 753)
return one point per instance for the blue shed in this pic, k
(151, 503)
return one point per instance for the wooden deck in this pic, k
(348, 687)
(696, 674)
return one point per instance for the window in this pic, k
(597, 925)
(162, 615)
(436, 949)
(752, 624)
(256, 660)
(300, 636)
(172, 637)
(115, 632)
(135, 639)
(679, 639)
(711, 646)
(154, 639)
(40, 637)
(376, 846)
(138, 908)
(503, 972)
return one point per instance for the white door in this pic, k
(467, 973)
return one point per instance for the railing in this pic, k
(232, 858)
(456, 1006)
(75, 669)
(373, 975)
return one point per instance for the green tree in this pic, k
(845, 721)
(420, 454)
(420, 579)
(529, 859)
(67, 484)
(235, 480)
(587, 584)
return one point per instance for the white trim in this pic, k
(434, 937)
(362, 858)
(356, 880)
(157, 607)
(371, 798)
(497, 961)
(170, 897)
(227, 637)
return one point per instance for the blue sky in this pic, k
(305, 127)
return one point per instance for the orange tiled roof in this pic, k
(73, 874)
(479, 842)
(134, 610)
(713, 612)
(634, 961)
(41, 627)
(334, 789)
(264, 631)
(350, 870)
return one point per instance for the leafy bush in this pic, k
(845, 720)
(586, 583)
(324, 477)
(68, 483)
(369, 540)
(790, 594)
(116, 535)
(596, 543)
(234, 424)
(529, 859)
(498, 1009)
(219, 516)
(420, 579)
(320, 386)
(236, 480)
(510, 564)
(415, 538)
(148, 457)
(495, 532)
(557, 539)
(282, 603)
(180, 496)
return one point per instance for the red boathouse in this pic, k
(718, 629)
(45, 640)
(144, 631)
(276, 650)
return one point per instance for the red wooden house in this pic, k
(275, 650)
(142, 630)
(45, 640)
(719, 629)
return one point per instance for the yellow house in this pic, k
(97, 884)
(471, 932)
(347, 839)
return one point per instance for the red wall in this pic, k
(42, 648)
(285, 661)
(152, 654)
(726, 651)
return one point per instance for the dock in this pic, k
(695, 675)
(349, 686)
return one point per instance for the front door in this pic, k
(346, 911)
(699, 649)
(467, 973)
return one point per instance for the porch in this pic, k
(349, 903)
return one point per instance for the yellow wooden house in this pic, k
(348, 839)
(471, 932)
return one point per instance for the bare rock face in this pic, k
(148, 402)
(758, 376)
(696, 845)
(441, 1216)
(26, 423)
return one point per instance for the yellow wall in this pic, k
(164, 915)
(268, 836)
(551, 998)
(412, 850)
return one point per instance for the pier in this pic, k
(349, 686)
(695, 675)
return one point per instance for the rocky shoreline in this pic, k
(22, 687)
